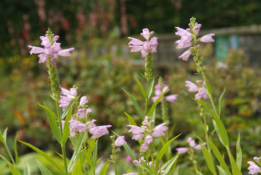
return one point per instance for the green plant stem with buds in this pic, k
(148, 75)
(55, 92)
(114, 155)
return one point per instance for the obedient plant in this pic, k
(73, 119)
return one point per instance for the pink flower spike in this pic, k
(197, 28)
(207, 38)
(83, 101)
(201, 94)
(99, 131)
(120, 141)
(65, 52)
(76, 126)
(185, 55)
(192, 87)
(172, 98)
(146, 33)
(148, 139)
(191, 142)
(182, 150)
(253, 168)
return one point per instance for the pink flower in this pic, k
(182, 150)
(159, 130)
(201, 94)
(256, 159)
(76, 126)
(193, 144)
(170, 98)
(144, 147)
(89, 110)
(135, 129)
(185, 55)
(81, 113)
(83, 101)
(253, 168)
(99, 131)
(207, 38)
(51, 51)
(66, 97)
(185, 40)
(136, 162)
(120, 141)
(148, 139)
(145, 47)
(197, 28)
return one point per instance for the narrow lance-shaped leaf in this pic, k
(150, 89)
(66, 128)
(169, 165)
(13, 169)
(46, 156)
(43, 169)
(156, 103)
(130, 119)
(53, 123)
(104, 168)
(220, 101)
(68, 108)
(141, 88)
(235, 169)
(15, 149)
(239, 153)
(221, 131)
(135, 104)
(208, 159)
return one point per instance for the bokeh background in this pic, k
(101, 65)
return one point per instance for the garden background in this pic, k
(101, 65)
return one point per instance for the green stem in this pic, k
(147, 98)
(9, 153)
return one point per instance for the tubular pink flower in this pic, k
(76, 126)
(120, 141)
(65, 52)
(83, 101)
(253, 168)
(256, 159)
(135, 129)
(89, 110)
(159, 130)
(99, 131)
(136, 162)
(182, 150)
(144, 147)
(66, 97)
(135, 42)
(146, 33)
(201, 94)
(192, 87)
(35, 50)
(185, 55)
(81, 113)
(197, 28)
(137, 137)
(148, 139)
(207, 38)
(172, 98)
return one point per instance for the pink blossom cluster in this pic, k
(159, 90)
(142, 133)
(120, 141)
(51, 50)
(66, 97)
(145, 47)
(253, 167)
(192, 145)
(201, 94)
(186, 40)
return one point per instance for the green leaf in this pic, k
(43, 169)
(94, 155)
(219, 157)
(220, 101)
(164, 149)
(46, 156)
(135, 104)
(156, 103)
(150, 89)
(170, 164)
(221, 131)
(208, 159)
(130, 119)
(235, 169)
(3, 136)
(105, 167)
(141, 88)
(129, 152)
(66, 128)
(239, 153)
(208, 87)
(15, 149)
(77, 169)
(14, 171)
(205, 106)
(27, 170)
(53, 123)
(68, 108)
(77, 151)
(221, 171)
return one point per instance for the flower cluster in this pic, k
(51, 49)
(192, 145)
(186, 39)
(145, 47)
(159, 90)
(66, 97)
(201, 94)
(145, 134)
(253, 167)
